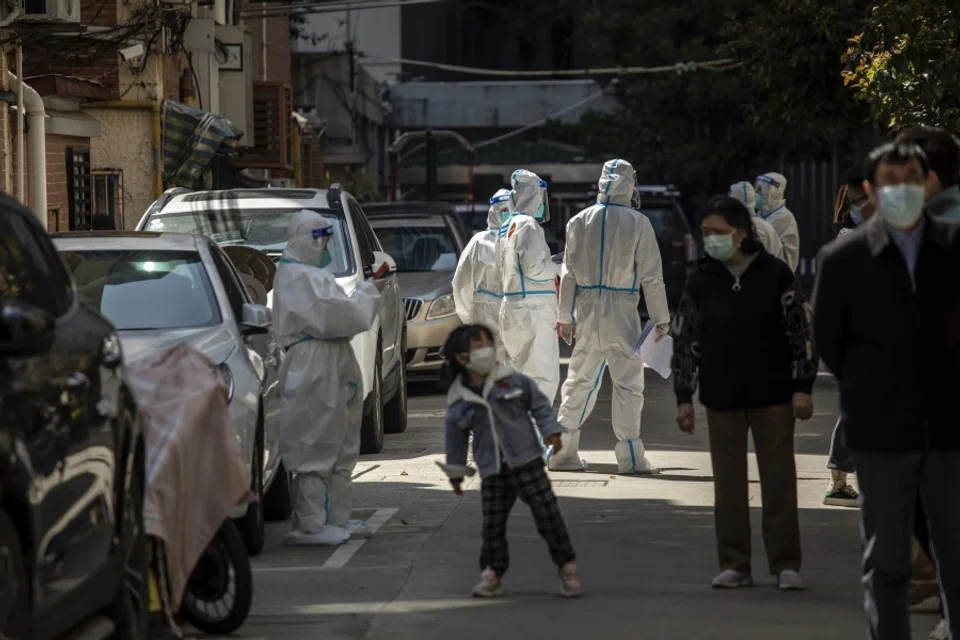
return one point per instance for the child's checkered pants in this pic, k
(530, 483)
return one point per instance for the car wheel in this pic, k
(14, 583)
(371, 433)
(278, 503)
(220, 589)
(131, 609)
(395, 413)
(251, 524)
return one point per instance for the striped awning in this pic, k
(191, 138)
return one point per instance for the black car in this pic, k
(678, 244)
(73, 549)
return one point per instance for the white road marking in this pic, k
(344, 552)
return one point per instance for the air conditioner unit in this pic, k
(51, 11)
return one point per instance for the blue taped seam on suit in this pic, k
(633, 456)
(596, 385)
(488, 293)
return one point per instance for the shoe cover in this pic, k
(562, 463)
(359, 529)
(631, 458)
(327, 535)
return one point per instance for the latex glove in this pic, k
(566, 332)
(663, 330)
(802, 406)
(685, 418)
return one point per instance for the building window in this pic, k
(79, 191)
(272, 116)
(108, 195)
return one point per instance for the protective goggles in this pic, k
(768, 180)
(500, 199)
(322, 232)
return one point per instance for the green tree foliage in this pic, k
(905, 64)
(793, 52)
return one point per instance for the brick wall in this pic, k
(174, 65)
(56, 176)
(278, 48)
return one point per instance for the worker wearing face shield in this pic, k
(772, 208)
(528, 313)
(477, 290)
(611, 253)
(320, 382)
(744, 193)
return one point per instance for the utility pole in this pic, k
(430, 148)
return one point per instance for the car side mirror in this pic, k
(383, 266)
(25, 330)
(256, 319)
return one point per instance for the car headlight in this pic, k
(442, 307)
(223, 370)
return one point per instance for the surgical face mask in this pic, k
(326, 259)
(720, 247)
(482, 360)
(856, 215)
(901, 205)
(505, 215)
(758, 207)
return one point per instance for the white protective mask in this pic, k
(901, 205)
(482, 360)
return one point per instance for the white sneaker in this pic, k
(489, 585)
(327, 535)
(731, 579)
(790, 580)
(940, 632)
(359, 530)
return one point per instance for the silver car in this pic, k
(164, 289)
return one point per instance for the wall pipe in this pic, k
(19, 193)
(30, 102)
(155, 130)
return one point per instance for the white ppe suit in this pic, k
(320, 383)
(477, 290)
(772, 207)
(611, 252)
(528, 314)
(766, 234)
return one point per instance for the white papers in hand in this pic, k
(656, 354)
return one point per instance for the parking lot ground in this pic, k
(645, 546)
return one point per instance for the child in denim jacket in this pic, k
(503, 410)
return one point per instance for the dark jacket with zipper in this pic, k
(893, 342)
(745, 340)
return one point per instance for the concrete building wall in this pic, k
(126, 142)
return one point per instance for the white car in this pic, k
(259, 219)
(164, 289)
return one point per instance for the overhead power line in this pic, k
(307, 8)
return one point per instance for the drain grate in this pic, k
(580, 483)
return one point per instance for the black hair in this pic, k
(735, 214)
(896, 153)
(841, 206)
(942, 149)
(458, 342)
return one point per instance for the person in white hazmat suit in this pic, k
(477, 290)
(528, 314)
(320, 383)
(772, 208)
(611, 253)
(766, 234)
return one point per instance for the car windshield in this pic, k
(145, 289)
(262, 229)
(420, 244)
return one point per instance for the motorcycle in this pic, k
(200, 568)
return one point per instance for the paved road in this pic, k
(645, 548)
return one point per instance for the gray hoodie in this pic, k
(515, 407)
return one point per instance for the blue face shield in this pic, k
(322, 237)
(543, 212)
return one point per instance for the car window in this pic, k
(30, 271)
(262, 229)
(666, 220)
(365, 236)
(145, 289)
(418, 244)
(236, 293)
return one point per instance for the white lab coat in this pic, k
(611, 254)
(528, 314)
(320, 381)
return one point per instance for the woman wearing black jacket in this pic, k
(742, 332)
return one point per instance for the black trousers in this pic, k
(841, 458)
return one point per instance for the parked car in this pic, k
(258, 218)
(678, 244)
(426, 244)
(164, 289)
(73, 550)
